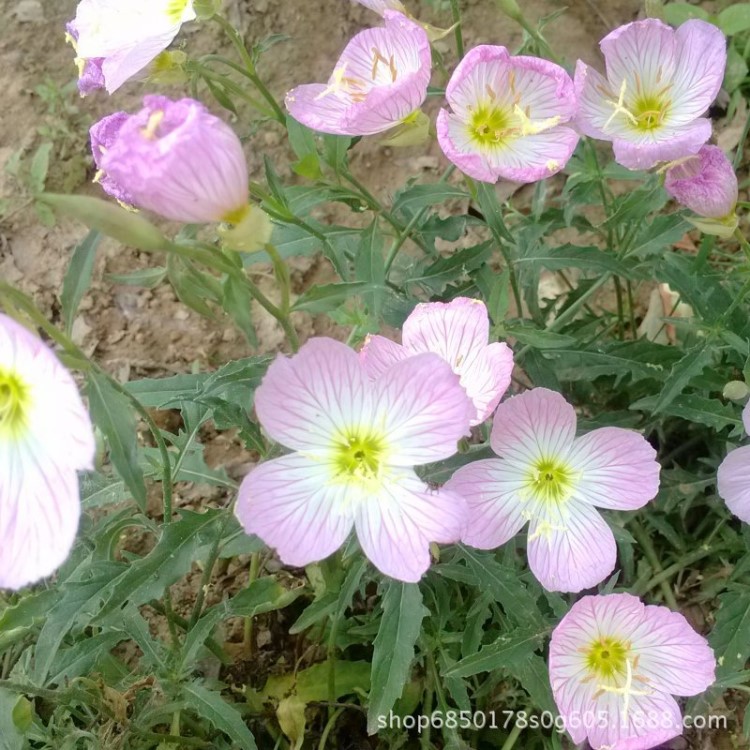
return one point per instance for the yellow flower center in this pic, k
(550, 481)
(14, 403)
(488, 125)
(176, 9)
(607, 657)
(359, 456)
(650, 112)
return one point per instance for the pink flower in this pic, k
(705, 183)
(114, 39)
(733, 478)
(458, 332)
(356, 441)
(550, 478)
(379, 81)
(173, 158)
(614, 665)
(45, 437)
(508, 118)
(660, 81)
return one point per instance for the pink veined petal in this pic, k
(544, 88)
(423, 409)
(57, 419)
(495, 509)
(292, 505)
(618, 469)
(643, 54)
(746, 417)
(379, 353)
(733, 482)
(326, 114)
(535, 424)
(125, 63)
(457, 330)
(533, 157)
(650, 720)
(39, 512)
(487, 378)
(305, 400)
(673, 143)
(701, 62)
(673, 657)
(454, 140)
(595, 105)
(396, 527)
(483, 67)
(570, 547)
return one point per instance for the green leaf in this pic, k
(11, 738)
(237, 302)
(695, 408)
(78, 277)
(435, 276)
(678, 13)
(369, 266)
(730, 638)
(193, 287)
(688, 367)
(393, 654)
(572, 256)
(735, 19)
(413, 199)
(327, 297)
(181, 543)
(147, 278)
(39, 168)
(492, 213)
(112, 413)
(533, 674)
(335, 150)
(125, 226)
(539, 338)
(659, 235)
(504, 585)
(210, 705)
(515, 647)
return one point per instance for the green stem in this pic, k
(675, 568)
(648, 549)
(208, 570)
(512, 738)
(231, 86)
(282, 276)
(330, 724)
(248, 642)
(456, 12)
(239, 45)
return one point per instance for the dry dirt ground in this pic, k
(136, 333)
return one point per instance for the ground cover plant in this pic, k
(502, 503)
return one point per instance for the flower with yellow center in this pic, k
(45, 438)
(659, 84)
(356, 441)
(508, 117)
(379, 82)
(115, 39)
(547, 477)
(614, 666)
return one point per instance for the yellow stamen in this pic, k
(153, 125)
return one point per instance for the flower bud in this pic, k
(176, 159)
(705, 183)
